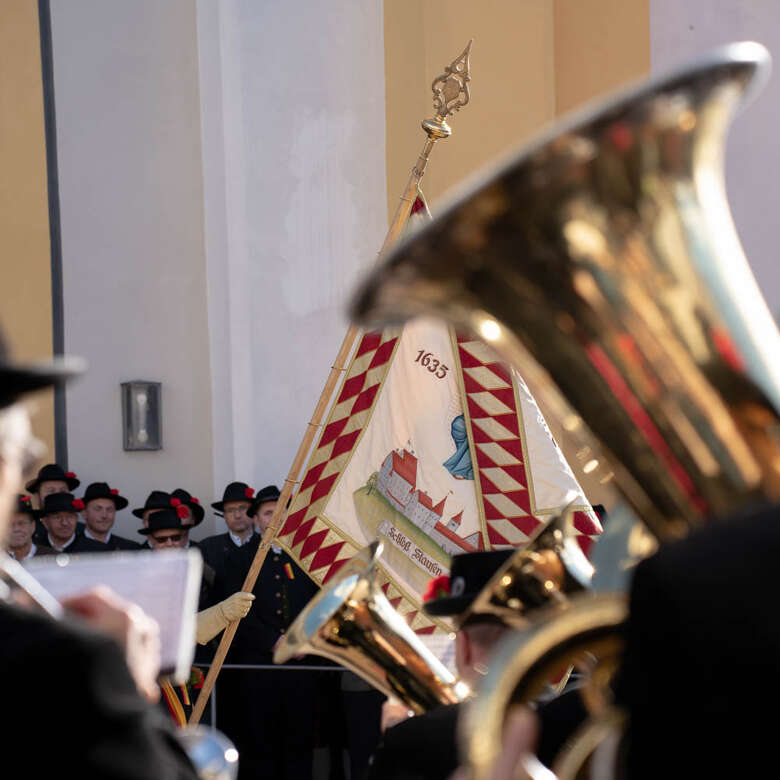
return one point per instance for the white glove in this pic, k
(236, 606)
(212, 620)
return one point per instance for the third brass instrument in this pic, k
(603, 263)
(351, 622)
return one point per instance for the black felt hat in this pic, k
(157, 499)
(24, 505)
(164, 519)
(16, 379)
(235, 491)
(198, 512)
(268, 493)
(59, 502)
(470, 573)
(102, 490)
(51, 472)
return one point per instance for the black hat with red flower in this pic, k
(470, 572)
(166, 519)
(55, 503)
(51, 472)
(195, 507)
(235, 491)
(102, 490)
(24, 505)
(157, 499)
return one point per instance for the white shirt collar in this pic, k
(33, 548)
(94, 538)
(238, 541)
(61, 548)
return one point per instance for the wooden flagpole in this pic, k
(450, 93)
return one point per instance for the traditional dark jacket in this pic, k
(78, 683)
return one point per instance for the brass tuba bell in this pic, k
(602, 262)
(351, 622)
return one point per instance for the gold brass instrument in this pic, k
(351, 622)
(602, 261)
(546, 572)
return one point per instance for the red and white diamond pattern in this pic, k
(498, 450)
(314, 544)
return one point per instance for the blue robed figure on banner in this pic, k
(459, 464)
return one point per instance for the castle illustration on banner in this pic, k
(397, 482)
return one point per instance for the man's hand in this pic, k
(135, 632)
(393, 712)
(236, 606)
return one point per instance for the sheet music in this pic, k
(443, 647)
(165, 584)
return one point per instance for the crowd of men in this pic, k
(276, 718)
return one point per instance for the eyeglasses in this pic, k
(172, 538)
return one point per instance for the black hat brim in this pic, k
(33, 485)
(447, 606)
(17, 380)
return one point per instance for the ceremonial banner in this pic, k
(436, 448)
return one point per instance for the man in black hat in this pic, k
(22, 527)
(425, 746)
(60, 516)
(431, 738)
(165, 530)
(101, 503)
(264, 711)
(157, 499)
(51, 478)
(236, 500)
(110, 653)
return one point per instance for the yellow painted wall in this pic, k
(531, 61)
(25, 291)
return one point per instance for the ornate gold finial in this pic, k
(450, 93)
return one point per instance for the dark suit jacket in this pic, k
(420, 748)
(215, 550)
(702, 653)
(426, 746)
(120, 543)
(279, 597)
(77, 682)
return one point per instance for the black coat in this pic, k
(426, 746)
(216, 549)
(77, 682)
(281, 591)
(702, 652)
(120, 543)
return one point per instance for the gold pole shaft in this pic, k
(450, 94)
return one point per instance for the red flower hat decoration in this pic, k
(25, 499)
(70, 474)
(114, 492)
(176, 502)
(437, 588)
(181, 510)
(194, 500)
(249, 493)
(78, 504)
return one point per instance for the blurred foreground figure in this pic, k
(105, 652)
